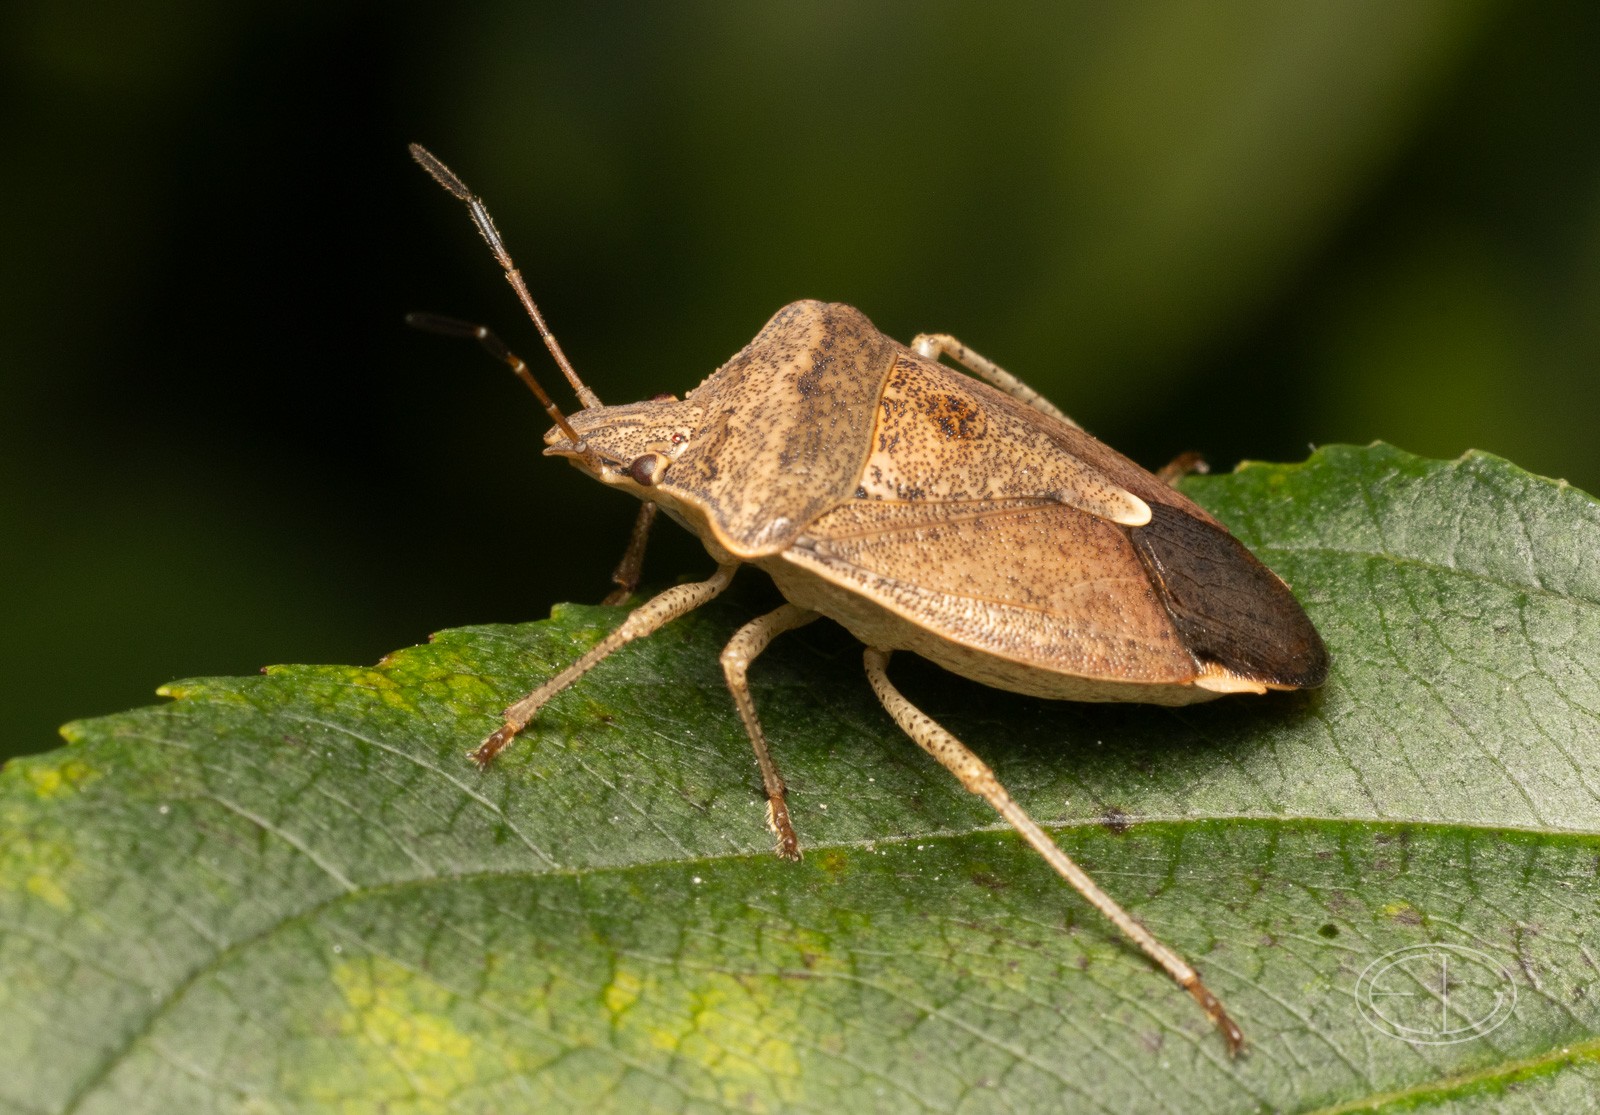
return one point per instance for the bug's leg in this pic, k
(1182, 465)
(932, 345)
(626, 575)
(976, 776)
(647, 617)
(748, 642)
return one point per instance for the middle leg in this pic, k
(629, 569)
(1184, 464)
(748, 642)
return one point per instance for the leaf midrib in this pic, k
(179, 989)
(1453, 1087)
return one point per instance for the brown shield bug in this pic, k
(971, 522)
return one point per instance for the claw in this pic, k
(788, 843)
(1213, 1008)
(496, 742)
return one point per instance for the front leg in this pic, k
(647, 617)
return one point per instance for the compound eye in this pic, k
(647, 470)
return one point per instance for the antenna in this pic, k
(451, 327)
(480, 217)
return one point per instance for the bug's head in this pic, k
(631, 446)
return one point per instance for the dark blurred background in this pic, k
(1238, 228)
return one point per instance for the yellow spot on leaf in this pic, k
(466, 687)
(1403, 912)
(388, 689)
(45, 887)
(407, 1049)
(736, 1027)
(57, 779)
(39, 865)
(621, 993)
(834, 862)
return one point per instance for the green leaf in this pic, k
(292, 892)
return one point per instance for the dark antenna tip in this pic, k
(440, 173)
(480, 217)
(444, 326)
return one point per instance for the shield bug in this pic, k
(965, 519)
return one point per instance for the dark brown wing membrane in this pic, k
(1227, 606)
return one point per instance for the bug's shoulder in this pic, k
(786, 425)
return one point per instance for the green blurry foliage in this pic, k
(1238, 229)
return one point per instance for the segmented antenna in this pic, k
(452, 327)
(480, 217)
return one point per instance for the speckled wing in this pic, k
(1175, 611)
(1030, 581)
